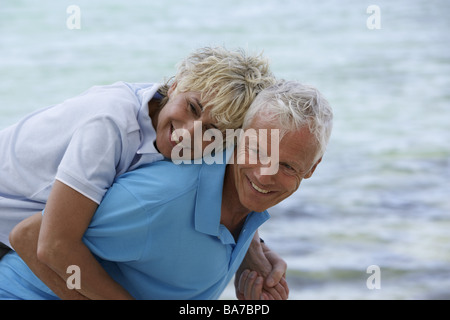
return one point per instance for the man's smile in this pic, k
(255, 187)
(259, 189)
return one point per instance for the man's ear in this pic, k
(310, 173)
(172, 88)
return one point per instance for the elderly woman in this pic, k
(166, 231)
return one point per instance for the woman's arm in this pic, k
(67, 216)
(24, 239)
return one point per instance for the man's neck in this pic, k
(233, 213)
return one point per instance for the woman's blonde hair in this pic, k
(228, 80)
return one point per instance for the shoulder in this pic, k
(114, 97)
(115, 105)
(119, 91)
(160, 181)
(119, 88)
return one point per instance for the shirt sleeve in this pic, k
(118, 231)
(90, 161)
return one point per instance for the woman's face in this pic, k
(176, 120)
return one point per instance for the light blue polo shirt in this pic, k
(158, 233)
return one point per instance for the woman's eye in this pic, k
(195, 110)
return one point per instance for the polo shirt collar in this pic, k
(148, 133)
(209, 203)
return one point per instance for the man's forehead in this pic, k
(301, 146)
(265, 124)
(298, 144)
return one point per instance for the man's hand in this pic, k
(261, 263)
(250, 287)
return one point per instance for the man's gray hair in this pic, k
(294, 105)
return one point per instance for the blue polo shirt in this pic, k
(157, 232)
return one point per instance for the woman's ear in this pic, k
(172, 88)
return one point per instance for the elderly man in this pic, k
(166, 231)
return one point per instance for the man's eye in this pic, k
(288, 168)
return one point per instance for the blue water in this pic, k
(380, 196)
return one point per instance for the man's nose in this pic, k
(264, 175)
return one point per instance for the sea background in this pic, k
(381, 194)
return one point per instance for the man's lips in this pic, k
(258, 189)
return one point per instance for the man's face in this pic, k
(258, 190)
(180, 112)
